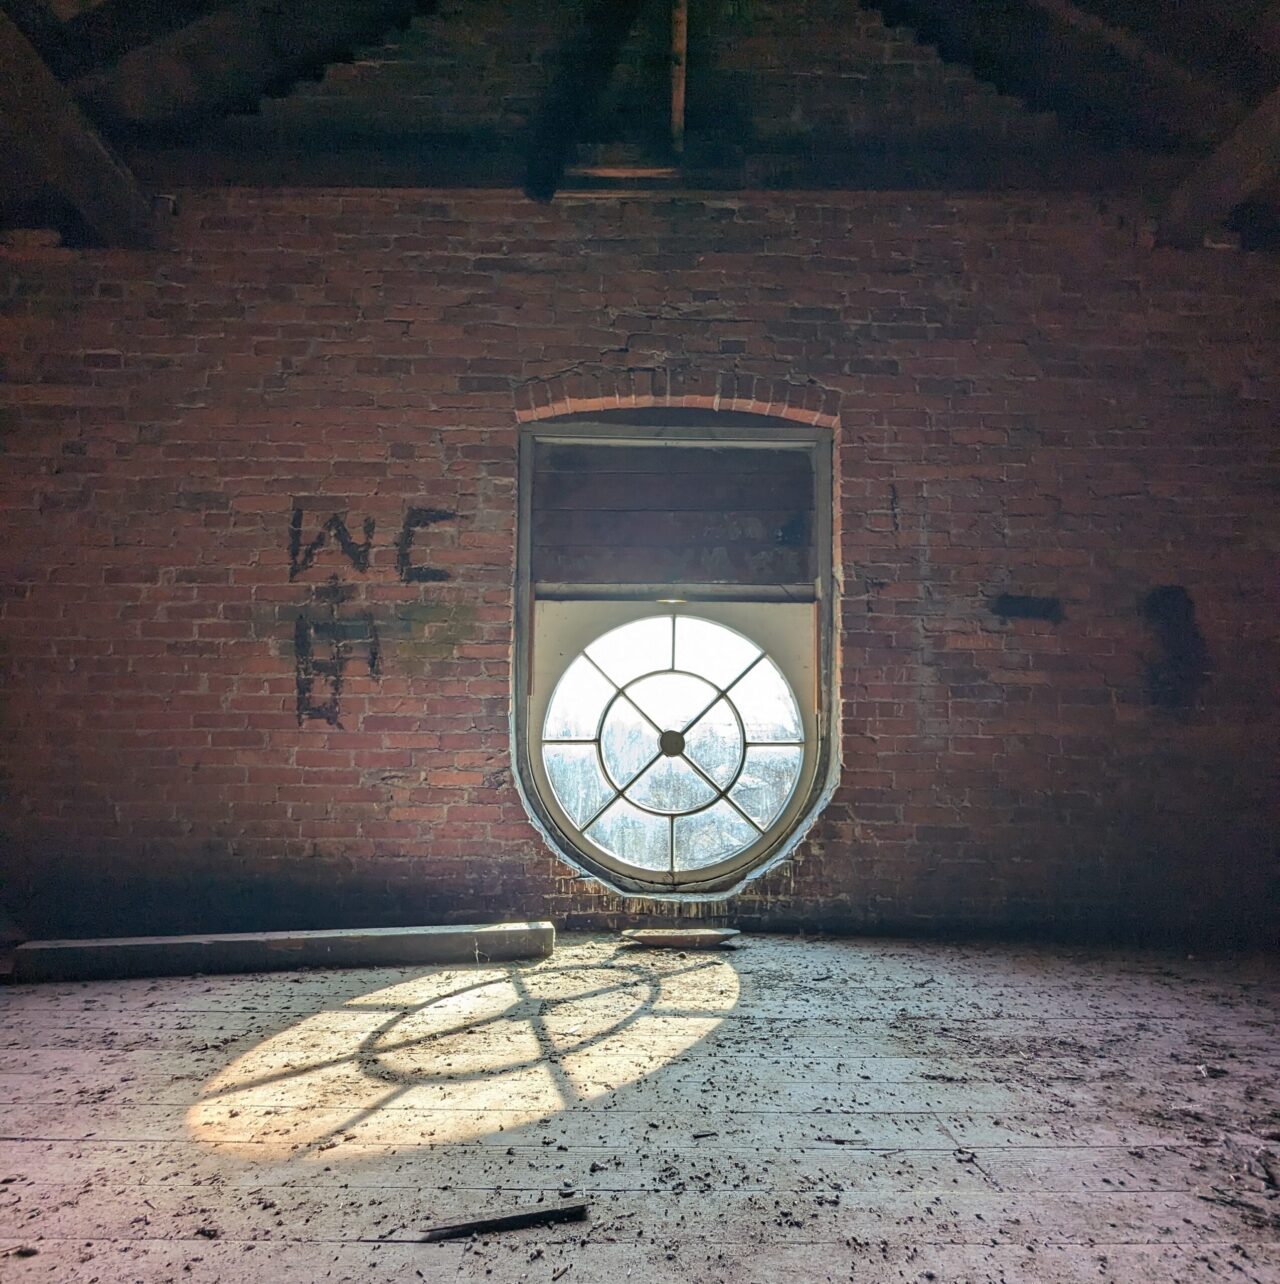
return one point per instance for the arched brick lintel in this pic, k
(587, 394)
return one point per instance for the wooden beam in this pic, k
(48, 137)
(679, 70)
(1244, 163)
(80, 960)
(587, 60)
(38, 22)
(1125, 45)
(249, 151)
(102, 35)
(1093, 74)
(1264, 32)
(226, 60)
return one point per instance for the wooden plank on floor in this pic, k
(973, 1217)
(606, 1085)
(709, 1163)
(526, 1256)
(784, 1033)
(134, 956)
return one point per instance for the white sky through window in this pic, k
(672, 743)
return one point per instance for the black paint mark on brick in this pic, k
(322, 648)
(1021, 606)
(333, 592)
(1175, 676)
(300, 559)
(414, 521)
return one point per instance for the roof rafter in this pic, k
(1245, 162)
(1095, 75)
(48, 138)
(229, 58)
(587, 61)
(103, 34)
(38, 22)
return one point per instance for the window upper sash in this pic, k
(642, 514)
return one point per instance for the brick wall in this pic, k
(1031, 401)
(757, 78)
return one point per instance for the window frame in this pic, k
(676, 431)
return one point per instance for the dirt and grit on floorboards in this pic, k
(809, 1110)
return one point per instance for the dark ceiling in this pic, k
(1177, 100)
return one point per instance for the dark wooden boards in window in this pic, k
(667, 514)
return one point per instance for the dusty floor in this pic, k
(839, 1110)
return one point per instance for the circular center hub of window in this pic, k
(664, 741)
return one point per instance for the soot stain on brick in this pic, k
(343, 635)
(414, 521)
(1174, 676)
(1024, 606)
(430, 631)
(300, 558)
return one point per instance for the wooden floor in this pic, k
(789, 1111)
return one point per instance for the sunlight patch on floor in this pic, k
(459, 1054)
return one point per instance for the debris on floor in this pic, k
(681, 938)
(1028, 1115)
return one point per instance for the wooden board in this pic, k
(676, 514)
(48, 141)
(263, 951)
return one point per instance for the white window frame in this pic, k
(793, 623)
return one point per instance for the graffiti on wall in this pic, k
(329, 634)
(1179, 667)
(335, 530)
(325, 640)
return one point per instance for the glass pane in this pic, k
(766, 705)
(640, 647)
(768, 777)
(672, 700)
(628, 742)
(719, 654)
(714, 743)
(711, 835)
(577, 703)
(636, 836)
(657, 739)
(671, 785)
(576, 778)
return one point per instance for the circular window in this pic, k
(673, 744)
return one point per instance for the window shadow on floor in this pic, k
(458, 1055)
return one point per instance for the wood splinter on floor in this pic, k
(507, 1221)
(681, 938)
